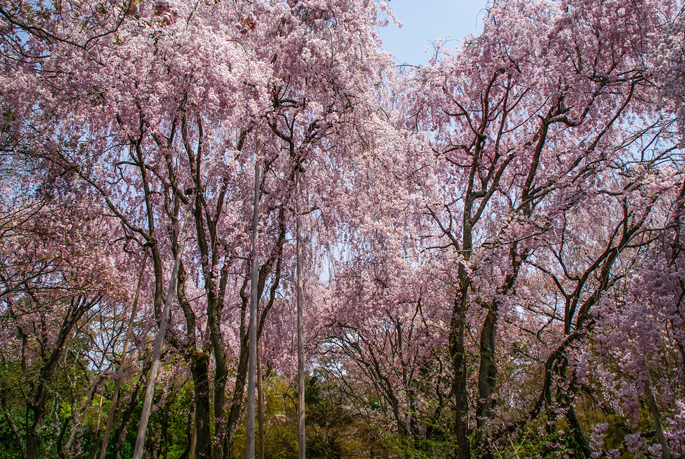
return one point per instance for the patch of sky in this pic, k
(425, 21)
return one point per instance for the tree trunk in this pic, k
(193, 442)
(487, 375)
(577, 431)
(252, 363)
(236, 402)
(487, 379)
(457, 349)
(78, 307)
(458, 355)
(198, 361)
(665, 453)
(221, 373)
(300, 329)
(260, 404)
(120, 433)
(150, 388)
(33, 435)
(122, 364)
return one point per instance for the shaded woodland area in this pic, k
(484, 252)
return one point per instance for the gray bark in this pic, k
(300, 332)
(252, 361)
(260, 404)
(150, 389)
(665, 454)
(122, 364)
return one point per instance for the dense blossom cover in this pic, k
(491, 244)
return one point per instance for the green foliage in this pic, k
(9, 447)
(543, 441)
(334, 427)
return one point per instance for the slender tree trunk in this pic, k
(120, 433)
(198, 361)
(97, 425)
(577, 431)
(20, 438)
(78, 307)
(665, 453)
(300, 333)
(165, 421)
(236, 403)
(260, 403)
(193, 442)
(122, 364)
(252, 363)
(150, 389)
(15, 429)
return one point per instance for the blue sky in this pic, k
(423, 21)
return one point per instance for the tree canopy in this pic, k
(479, 257)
